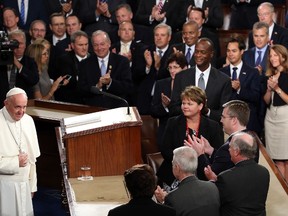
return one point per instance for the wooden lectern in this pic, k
(108, 141)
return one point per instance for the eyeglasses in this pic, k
(45, 54)
(38, 30)
(224, 117)
(59, 24)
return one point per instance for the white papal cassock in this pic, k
(17, 183)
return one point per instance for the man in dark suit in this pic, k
(23, 73)
(219, 159)
(54, 6)
(35, 10)
(68, 64)
(193, 196)
(213, 12)
(10, 19)
(106, 71)
(243, 189)
(245, 81)
(216, 84)
(277, 33)
(153, 12)
(37, 30)
(97, 14)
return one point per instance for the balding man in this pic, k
(18, 152)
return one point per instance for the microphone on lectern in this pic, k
(95, 90)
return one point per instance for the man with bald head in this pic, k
(243, 189)
(18, 152)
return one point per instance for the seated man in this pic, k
(193, 196)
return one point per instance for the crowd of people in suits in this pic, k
(164, 57)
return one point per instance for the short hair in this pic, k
(240, 40)
(163, 25)
(196, 94)
(281, 51)
(11, 9)
(260, 25)
(211, 44)
(179, 58)
(267, 4)
(100, 32)
(246, 144)
(37, 21)
(77, 34)
(238, 109)
(186, 158)
(55, 15)
(17, 33)
(124, 5)
(199, 10)
(73, 15)
(190, 23)
(124, 22)
(140, 181)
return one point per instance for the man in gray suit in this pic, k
(193, 196)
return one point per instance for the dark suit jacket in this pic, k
(68, 64)
(121, 80)
(181, 47)
(54, 6)
(26, 79)
(218, 91)
(243, 189)
(215, 15)
(142, 207)
(279, 36)
(194, 197)
(175, 13)
(157, 109)
(36, 10)
(249, 58)
(174, 136)
(85, 10)
(250, 92)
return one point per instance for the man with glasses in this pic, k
(234, 118)
(37, 30)
(277, 33)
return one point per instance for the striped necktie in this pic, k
(22, 12)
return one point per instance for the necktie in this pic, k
(201, 82)
(22, 12)
(124, 48)
(234, 73)
(160, 53)
(103, 68)
(160, 6)
(12, 77)
(188, 55)
(198, 3)
(258, 60)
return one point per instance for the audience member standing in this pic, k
(216, 84)
(37, 31)
(10, 19)
(243, 189)
(193, 196)
(276, 98)
(18, 149)
(141, 183)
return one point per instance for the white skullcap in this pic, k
(15, 91)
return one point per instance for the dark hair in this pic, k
(237, 39)
(11, 9)
(140, 181)
(197, 9)
(238, 109)
(124, 5)
(179, 58)
(210, 43)
(55, 15)
(281, 51)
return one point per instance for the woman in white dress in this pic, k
(276, 98)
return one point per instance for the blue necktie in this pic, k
(188, 55)
(258, 60)
(234, 73)
(103, 68)
(22, 12)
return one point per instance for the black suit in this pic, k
(85, 11)
(279, 36)
(182, 48)
(194, 197)
(243, 189)
(54, 6)
(36, 11)
(174, 136)
(68, 64)
(26, 79)
(215, 15)
(218, 91)
(121, 80)
(142, 207)
(175, 13)
(250, 92)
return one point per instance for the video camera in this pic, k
(6, 49)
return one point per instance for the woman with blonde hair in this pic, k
(46, 87)
(276, 98)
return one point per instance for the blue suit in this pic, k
(250, 92)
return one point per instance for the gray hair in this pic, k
(186, 158)
(17, 33)
(245, 143)
(163, 25)
(260, 25)
(100, 32)
(267, 4)
(77, 34)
